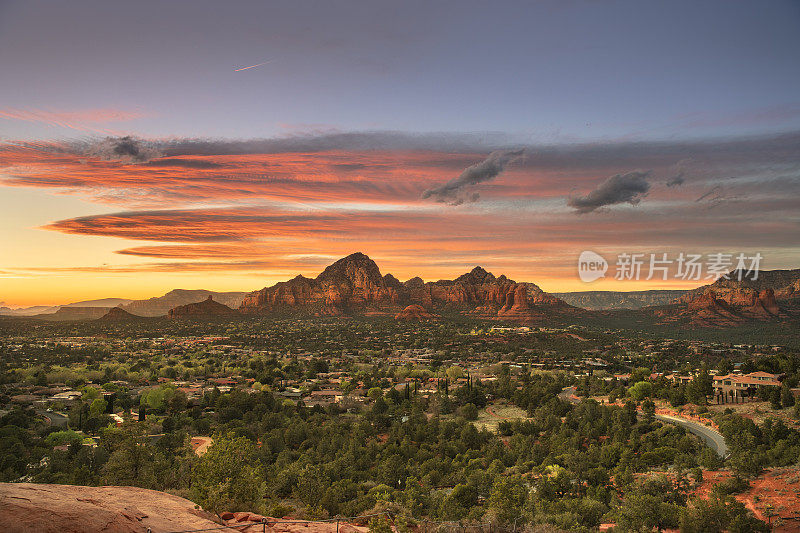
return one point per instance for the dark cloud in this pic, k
(621, 188)
(388, 167)
(713, 193)
(717, 195)
(456, 191)
(124, 149)
(354, 141)
(676, 181)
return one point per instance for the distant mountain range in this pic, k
(354, 285)
(600, 300)
(151, 307)
(161, 305)
(49, 309)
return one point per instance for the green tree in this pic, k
(641, 390)
(229, 477)
(645, 512)
(507, 498)
(469, 411)
(132, 460)
(719, 513)
(97, 407)
(379, 524)
(787, 398)
(775, 399)
(455, 372)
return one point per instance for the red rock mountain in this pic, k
(351, 282)
(355, 284)
(207, 309)
(732, 301)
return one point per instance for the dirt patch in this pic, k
(200, 445)
(776, 492)
(491, 416)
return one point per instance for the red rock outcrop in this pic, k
(765, 305)
(788, 292)
(42, 508)
(727, 307)
(39, 508)
(415, 312)
(117, 314)
(207, 309)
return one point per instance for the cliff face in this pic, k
(207, 309)
(785, 284)
(728, 302)
(355, 283)
(351, 282)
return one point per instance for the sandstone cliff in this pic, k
(355, 284)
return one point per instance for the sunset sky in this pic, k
(139, 153)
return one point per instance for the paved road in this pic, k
(56, 419)
(710, 436)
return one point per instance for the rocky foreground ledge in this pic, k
(30, 507)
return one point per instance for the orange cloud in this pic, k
(291, 205)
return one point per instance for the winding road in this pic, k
(55, 419)
(710, 436)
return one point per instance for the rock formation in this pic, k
(414, 312)
(29, 507)
(205, 310)
(355, 284)
(117, 314)
(729, 302)
(160, 305)
(350, 283)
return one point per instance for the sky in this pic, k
(156, 145)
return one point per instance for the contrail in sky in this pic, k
(253, 66)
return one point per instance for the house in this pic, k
(739, 385)
(66, 396)
(326, 396)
